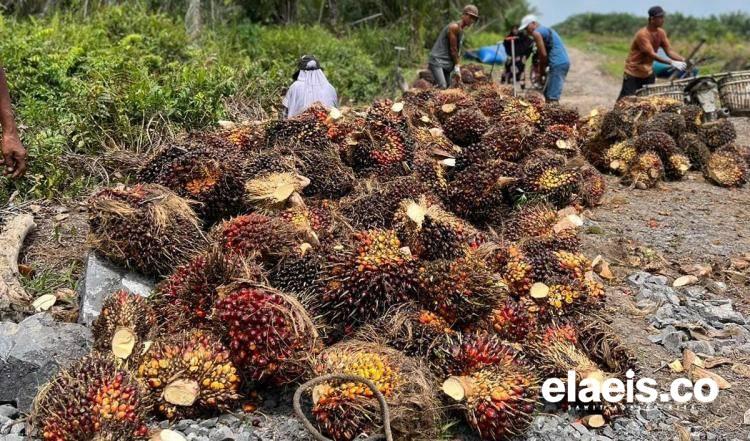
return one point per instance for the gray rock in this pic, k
(209, 423)
(701, 347)
(655, 338)
(673, 341)
(230, 420)
(183, 424)
(17, 427)
(724, 313)
(12, 438)
(639, 278)
(100, 279)
(9, 411)
(222, 433)
(650, 413)
(580, 428)
(665, 312)
(658, 280)
(716, 287)
(34, 351)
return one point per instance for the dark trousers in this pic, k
(441, 75)
(630, 84)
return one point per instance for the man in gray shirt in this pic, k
(445, 56)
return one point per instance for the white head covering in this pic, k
(311, 86)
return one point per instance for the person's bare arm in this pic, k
(453, 31)
(667, 46)
(542, 50)
(14, 155)
(644, 46)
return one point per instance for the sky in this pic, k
(554, 11)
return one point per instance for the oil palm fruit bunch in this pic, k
(620, 156)
(645, 171)
(478, 188)
(434, 170)
(604, 346)
(268, 333)
(726, 168)
(530, 220)
(557, 114)
(298, 273)
(186, 297)
(616, 125)
(268, 238)
(188, 373)
(145, 227)
(344, 410)
(459, 97)
(460, 291)
(125, 324)
(558, 137)
(266, 162)
(517, 110)
(329, 176)
(742, 150)
(92, 399)
(695, 149)
(414, 331)
(544, 176)
(304, 130)
(365, 278)
(673, 124)
(330, 118)
(592, 186)
(498, 394)
(375, 203)
(676, 164)
(275, 191)
(317, 218)
(385, 143)
(248, 137)
(693, 115)
(517, 319)
(463, 126)
(431, 232)
(506, 142)
(646, 107)
(718, 133)
(558, 351)
(207, 173)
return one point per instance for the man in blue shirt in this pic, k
(552, 53)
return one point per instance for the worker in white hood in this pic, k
(310, 86)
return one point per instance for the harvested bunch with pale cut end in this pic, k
(275, 191)
(646, 170)
(676, 166)
(125, 327)
(344, 410)
(90, 400)
(481, 187)
(726, 168)
(146, 228)
(266, 238)
(188, 373)
(618, 158)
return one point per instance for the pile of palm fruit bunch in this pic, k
(649, 139)
(423, 252)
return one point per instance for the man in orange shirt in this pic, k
(643, 51)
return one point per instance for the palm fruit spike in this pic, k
(672, 124)
(616, 126)
(461, 291)
(329, 177)
(478, 188)
(146, 227)
(188, 373)
(346, 410)
(559, 114)
(726, 168)
(186, 297)
(516, 320)
(433, 172)
(465, 126)
(297, 273)
(473, 351)
(604, 346)
(209, 172)
(124, 325)
(506, 142)
(619, 156)
(497, 390)
(360, 282)
(718, 133)
(386, 143)
(275, 191)
(646, 170)
(676, 166)
(517, 110)
(592, 186)
(531, 220)
(269, 333)
(557, 351)
(693, 115)
(268, 237)
(375, 204)
(415, 332)
(558, 137)
(92, 399)
(457, 97)
(696, 151)
(432, 233)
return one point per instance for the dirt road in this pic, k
(587, 86)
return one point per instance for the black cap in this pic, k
(655, 11)
(303, 63)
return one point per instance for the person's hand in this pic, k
(14, 156)
(679, 65)
(457, 70)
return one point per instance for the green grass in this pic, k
(49, 281)
(613, 49)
